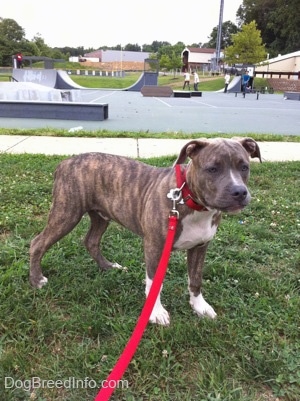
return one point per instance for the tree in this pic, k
(170, 56)
(164, 62)
(12, 39)
(247, 47)
(132, 47)
(278, 21)
(228, 29)
(43, 49)
(11, 30)
(175, 62)
(157, 45)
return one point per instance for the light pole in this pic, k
(219, 35)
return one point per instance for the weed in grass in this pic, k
(79, 323)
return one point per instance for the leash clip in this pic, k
(175, 195)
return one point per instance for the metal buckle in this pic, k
(175, 195)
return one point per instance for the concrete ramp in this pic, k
(28, 91)
(234, 86)
(63, 81)
(146, 79)
(57, 79)
(37, 76)
(60, 79)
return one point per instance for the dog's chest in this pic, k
(197, 228)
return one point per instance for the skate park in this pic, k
(129, 110)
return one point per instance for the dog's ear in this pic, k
(190, 150)
(251, 146)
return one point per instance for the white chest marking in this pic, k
(197, 228)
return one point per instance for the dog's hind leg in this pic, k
(92, 240)
(61, 220)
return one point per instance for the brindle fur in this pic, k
(134, 194)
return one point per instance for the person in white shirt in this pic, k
(186, 80)
(227, 80)
(196, 80)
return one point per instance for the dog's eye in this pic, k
(245, 167)
(212, 169)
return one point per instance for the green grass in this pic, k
(106, 82)
(79, 323)
(206, 83)
(135, 135)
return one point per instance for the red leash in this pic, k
(124, 360)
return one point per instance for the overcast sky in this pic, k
(94, 24)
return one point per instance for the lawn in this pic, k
(77, 325)
(207, 83)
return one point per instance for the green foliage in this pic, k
(12, 40)
(11, 30)
(79, 323)
(228, 29)
(278, 21)
(247, 46)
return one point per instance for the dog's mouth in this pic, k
(234, 209)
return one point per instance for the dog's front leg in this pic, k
(159, 314)
(195, 258)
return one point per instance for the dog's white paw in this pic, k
(201, 307)
(160, 316)
(43, 281)
(116, 266)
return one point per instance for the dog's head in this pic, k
(219, 170)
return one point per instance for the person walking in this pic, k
(186, 80)
(227, 80)
(196, 80)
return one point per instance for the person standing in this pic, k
(19, 59)
(186, 80)
(227, 80)
(245, 80)
(196, 80)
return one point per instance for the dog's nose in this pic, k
(239, 192)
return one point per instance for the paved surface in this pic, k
(212, 113)
(129, 111)
(145, 147)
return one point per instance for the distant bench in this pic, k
(156, 91)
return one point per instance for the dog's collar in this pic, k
(187, 195)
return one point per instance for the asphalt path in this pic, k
(214, 112)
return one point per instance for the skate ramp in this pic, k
(60, 79)
(41, 77)
(234, 85)
(56, 79)
(146, 79)
(63, 81)
(28, 91)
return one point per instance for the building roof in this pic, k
(281, 58)
(107, 56)
(200, 50)
(199, 55)
(95, 54)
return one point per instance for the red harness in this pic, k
(187, 195)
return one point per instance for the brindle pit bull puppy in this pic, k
(137, 196)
